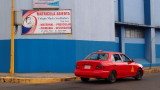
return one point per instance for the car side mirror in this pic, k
(132, 60)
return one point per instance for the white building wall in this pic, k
(95, 20)
(155, 4)
(27, 5)
(134, 11)
(5, 18)
(116, 10)
(23, 5)
(91, 20)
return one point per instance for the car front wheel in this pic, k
(139, 75)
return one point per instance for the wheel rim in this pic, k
(139, 75)
(113, 78)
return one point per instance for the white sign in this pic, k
(45, 3)
(47, 22)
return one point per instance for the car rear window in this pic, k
(97, 56)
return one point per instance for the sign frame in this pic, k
(48, 33)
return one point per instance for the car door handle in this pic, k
(115, 65)
(126, 65)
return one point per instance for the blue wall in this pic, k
(157, 50)
(49, 55)
(54, 55)
(44, 55)
(4, 55)
(84, 48)
(135, 51)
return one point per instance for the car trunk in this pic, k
(88, 65)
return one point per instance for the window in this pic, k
(97, 56)
(125, 59)
(117, 28)
(116, 58)
(134, 32)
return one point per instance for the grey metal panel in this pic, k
(5, 19)
(134, 11)
(155, 12)
(18, 18)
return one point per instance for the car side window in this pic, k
(125, 59)
(116, 58)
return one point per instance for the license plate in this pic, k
(87, 67)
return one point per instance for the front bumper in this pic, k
(92, 74)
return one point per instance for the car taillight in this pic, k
(77, 67)
(99, 67)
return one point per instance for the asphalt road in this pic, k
(149, 82)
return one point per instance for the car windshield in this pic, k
(97, 56)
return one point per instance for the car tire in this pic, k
(84, 79)
(112, 77)
(139, 75)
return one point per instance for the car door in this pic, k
(118, 65)
(129, 65)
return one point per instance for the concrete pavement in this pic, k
(35, 78)
(149, 82)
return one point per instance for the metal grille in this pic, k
(134, 32)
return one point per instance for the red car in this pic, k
(109, 66)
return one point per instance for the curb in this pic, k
(147, 71)
(53, 80)
(36, 80)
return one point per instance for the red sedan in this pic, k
(109, 66)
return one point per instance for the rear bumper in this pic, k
(92, 74)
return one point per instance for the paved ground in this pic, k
(3, 74)
(149, 82)
(39, 75)
(36, 78)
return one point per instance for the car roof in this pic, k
(100, 51)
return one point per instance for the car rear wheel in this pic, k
(112, 77)
(139, 75)
(84, 79)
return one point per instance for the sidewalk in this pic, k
(38, 75)
(36, 78)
